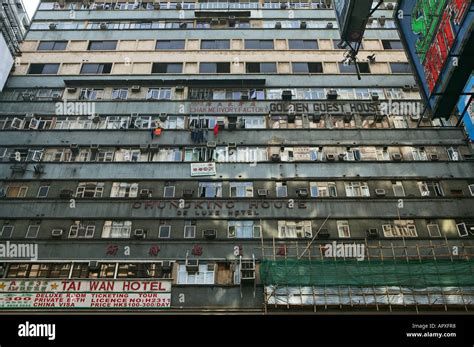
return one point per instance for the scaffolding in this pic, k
(393, 275)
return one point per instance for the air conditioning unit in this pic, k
(380, 192)
(179, 6)
(379, 118)
(103, 26)
(262, 193)
(283, 5)
(374, 96)
(389, 6)
(183, 25)
(291, 118)
(215, 21)
(342, 156)
(286, 95)
(210, 234)
(188, 193)
(211, 144)
(52, 26)
(323, 234)
(303, 25)
(232, 145)
(397, 157)
(94, 147)
(372, 233)
(94, 265)
(382, 21)
(135, 89)
(156, 6)
(406, 88)
(71, 89)
(332, 94)
(66, 194)
(154, 148)
(302, 192)
(330, 157)
(145, 193)
(27, 96)
(316, 117)
(74, 147)
(434, 157)
(231, 21)
(57, 233)
(276, 158)
(347, 117)
(192, 265)
(329, 25)
(179, 88)
(278, 25)
(139, 234)
(144, 148)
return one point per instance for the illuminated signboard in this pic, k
(352, 16)
(84, 294)
(437, 37)
(468, 119)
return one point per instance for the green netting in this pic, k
(425, 273)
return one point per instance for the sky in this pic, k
(31, 6)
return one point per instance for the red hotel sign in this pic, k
(84, 294)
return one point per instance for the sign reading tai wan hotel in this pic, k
(84, 294)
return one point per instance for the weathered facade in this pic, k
(223, 150)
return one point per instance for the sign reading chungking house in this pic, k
(84, 294)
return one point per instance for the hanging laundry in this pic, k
(216, 129)
(157, 131)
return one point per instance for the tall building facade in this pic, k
(14, 22)
(222, 156)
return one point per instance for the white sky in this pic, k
(31, 6)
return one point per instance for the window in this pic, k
(102, 46)
(350, 68)
(258, 44)
(400, 228)
(169, 44)
(120, 94)
(307, 67)
(167, 68)
(400, 68)
(254, 122)
(210, 190)
(16, 191)
(430, 189)
(303, 44)
(245, 229)
(90, 190)
(261, 67)
(7, 231)
(215, 44)
(281, 190)
(392, 44)
(43, 191)
(400, 122)
(214, 67)
(433, 230)
(43, 69)
(241, 189)
(419, 154)
(169, 192)
(164, 231)
(89, 68)
(124, 190)
(117, 229)
(82, 231)
(323, 189)
(357, 189)
(462, 229)
(293, 230)
(471, 189)
(91, 94)
(343, 228)
(159, 94)
(52, 45)
(32, 231)
(398, 189)
(453, 154)
(190, 230)
(204, 275)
